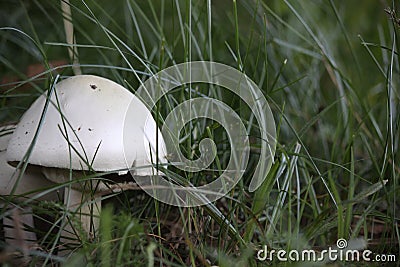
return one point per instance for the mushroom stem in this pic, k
(87, 207)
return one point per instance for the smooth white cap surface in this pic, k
(85, 123)
(29, 182)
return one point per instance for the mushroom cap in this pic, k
(31, 180)
(83, 129)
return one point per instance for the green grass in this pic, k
(330, 71)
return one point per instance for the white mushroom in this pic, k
(83, 131)
(14, 191)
